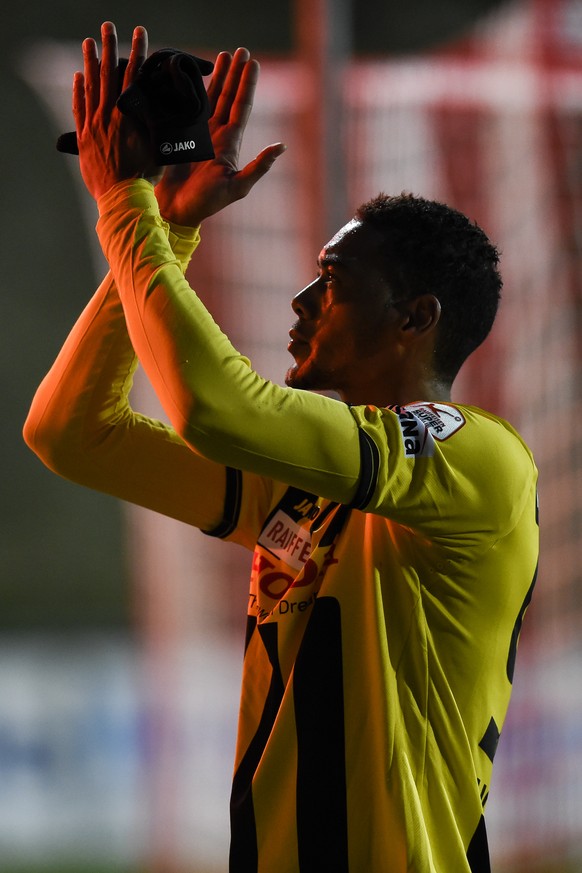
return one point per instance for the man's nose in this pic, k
(305, 303)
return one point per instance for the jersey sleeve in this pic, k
(248, 502)
(82, 426)
(452, 472)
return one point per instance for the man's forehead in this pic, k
(351, 242)
(348, 230)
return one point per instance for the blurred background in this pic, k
(121, 633)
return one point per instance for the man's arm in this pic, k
(82, 426)
(81, 423)
(214, 400)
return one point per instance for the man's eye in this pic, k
(326, 278)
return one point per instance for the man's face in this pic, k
(344, 336)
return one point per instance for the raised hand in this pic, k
(189, 193)
(110, 146)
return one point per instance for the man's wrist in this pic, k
(184, 241)
(137, 193)
(185, 231)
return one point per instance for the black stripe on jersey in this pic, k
(322, 517)
(293, 498)
(478, 851)
(319, 717)
(243, 843)
(251, 625)
(512, 654)
(336, 524)
(490, 739)
(232, 501)
(369, 466)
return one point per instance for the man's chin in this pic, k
(307, 378)
(292, 377)
(298, 377)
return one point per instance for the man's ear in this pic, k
(421, 314)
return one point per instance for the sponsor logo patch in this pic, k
(416, 437)
(286, 540)
(441, 419)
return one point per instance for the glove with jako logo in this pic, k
(168, 100)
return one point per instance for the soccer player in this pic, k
(394, 531)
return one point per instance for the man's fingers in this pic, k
(109, 74)
(256, 169)
(91, 75)
(231, 85)
(137, 55)
(219, 74)
(79, 102)
(245, 95)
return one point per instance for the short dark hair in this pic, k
(432, 248)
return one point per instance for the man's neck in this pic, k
(433, 390)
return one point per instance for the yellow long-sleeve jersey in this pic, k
(395, 553)
(380, 649)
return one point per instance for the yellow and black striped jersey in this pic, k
(394, 555)
(380, 649)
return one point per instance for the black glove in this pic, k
(168, 100)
